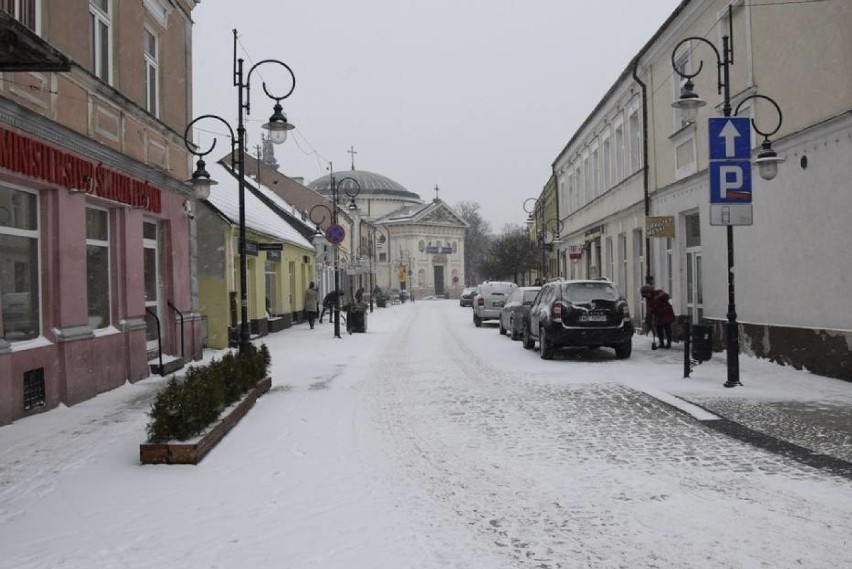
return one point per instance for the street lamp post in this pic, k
(201, 181)
(335, 232)
(767, 162)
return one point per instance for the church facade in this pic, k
(414, 246)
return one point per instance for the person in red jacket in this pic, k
(662, 315)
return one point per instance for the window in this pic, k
(596, 186)
(622, 251)
(100, 30)
(152, 82)
(607, 165)
(610, 256)
(19, 269)
(635, 142)
(271, 281)
(587, 182)
(25, 11)
(97, 267)
(683, 65)
(619, 154)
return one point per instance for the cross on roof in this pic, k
(352, 152)
(437, 189)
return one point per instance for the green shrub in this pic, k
(185, 408)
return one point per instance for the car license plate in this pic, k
(498, 304)
(593, 318)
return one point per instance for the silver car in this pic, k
(489, 300)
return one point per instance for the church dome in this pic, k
(371, 184)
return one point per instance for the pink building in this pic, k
(97, 254)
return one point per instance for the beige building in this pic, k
(790, 262)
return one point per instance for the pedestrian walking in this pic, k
(311, 304)
(663, 317)
(329, 303)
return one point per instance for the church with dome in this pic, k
(417, 246)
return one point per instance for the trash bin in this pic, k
(381, 301)
(702, 342)
(356, 321)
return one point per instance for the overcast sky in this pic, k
(475, 96)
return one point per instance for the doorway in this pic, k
(151, 268)
(439, 280)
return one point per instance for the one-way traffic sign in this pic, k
(729, 138)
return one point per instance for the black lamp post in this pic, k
(335, 232)
(277, 127)
(767, 162)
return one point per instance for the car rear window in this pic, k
(529, 295)
(587, 292)
(503, 289)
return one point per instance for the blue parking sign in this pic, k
(730, 181)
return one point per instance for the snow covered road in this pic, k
(425, 443)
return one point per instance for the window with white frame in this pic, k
(25, 11)
(19, 265)
(682, 63)
(587, 181)
(610, 257)
(97, 267)
(100, 30)
(606, 166)
(619, 154)
(635, 142)
(596, 186)
(152, 78)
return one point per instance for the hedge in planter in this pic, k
(185, 408)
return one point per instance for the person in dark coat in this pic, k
(663, 317)
(647, 293)
(311, 304)
(329, 303)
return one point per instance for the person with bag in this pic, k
(311, 304)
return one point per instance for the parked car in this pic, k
(489, 300)
(466, 298)
(589, 313)
(515, 310)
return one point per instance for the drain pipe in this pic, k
(649, 280)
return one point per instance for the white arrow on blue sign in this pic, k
(730, 138)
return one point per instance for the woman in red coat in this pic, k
(663, 317)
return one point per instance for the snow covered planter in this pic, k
(191, 415)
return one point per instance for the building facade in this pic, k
(416, 247)
(96, 247)
(635, 178)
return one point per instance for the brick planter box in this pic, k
(192, 453)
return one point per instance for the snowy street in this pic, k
(429, 443)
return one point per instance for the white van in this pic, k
(489, 300)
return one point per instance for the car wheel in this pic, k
(477, 321)
(502, 330)
(623, 351)
(529, 343)
(546, 347)
(513, 331)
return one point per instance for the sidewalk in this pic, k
(792, 412)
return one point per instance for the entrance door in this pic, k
(151, 261)
(694, 286)
(439, 280)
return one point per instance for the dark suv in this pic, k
(579, 313)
